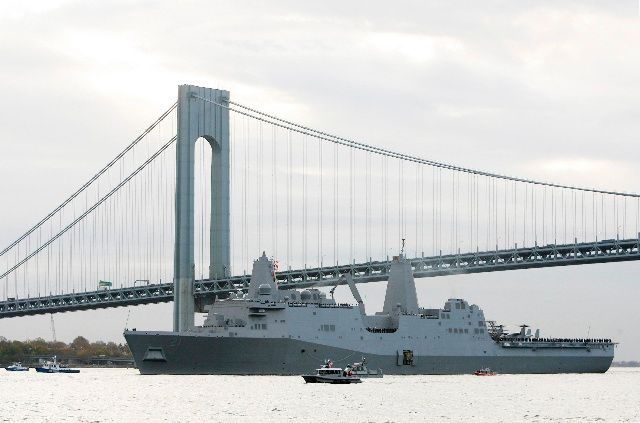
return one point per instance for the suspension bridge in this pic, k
(181, 212)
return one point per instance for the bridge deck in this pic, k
(478, 262)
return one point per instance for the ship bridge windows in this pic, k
(460, 305)
(258, 326)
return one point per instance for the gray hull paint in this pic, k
(192, 354)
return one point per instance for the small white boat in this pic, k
(16, 367)
(54, 367)
(329, 374)
(361, 370)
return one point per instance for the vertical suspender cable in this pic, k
(440, 210)
(385, 177)
(583, 222)
(321, 204)
(350, 205)
(368, 207)
(415, 202)
(576, 224)
(489, 214)
(453, 240)
(289, 181)
(624, 216)
(400, 201)
(544, 209)
(615, 212)
(233, 151)
(476, 210)
(504, 215)
(595, 217)
(274, 193)
(515, 213)
(524, 215)
(304, 201)
(604, 216)
(335, 204)
(245, 234)
(472, 210)
(554, 217)
(422, 210)
(259, 184)
(433, 211)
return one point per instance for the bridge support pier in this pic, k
(199, 116)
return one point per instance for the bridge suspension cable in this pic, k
(119, 228)
(92, 179)
(90, 209)
(516, 210)
(274, 120)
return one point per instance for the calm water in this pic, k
(105, 395)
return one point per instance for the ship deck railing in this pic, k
(320, 305)
(382, 330)
(553, 342)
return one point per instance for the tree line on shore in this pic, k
(626, 364)
(24, 351)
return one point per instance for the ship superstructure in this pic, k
(272, 331)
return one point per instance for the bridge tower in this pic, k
(200, 115)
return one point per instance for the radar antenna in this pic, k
(53, 329)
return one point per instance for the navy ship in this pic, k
(269, 331)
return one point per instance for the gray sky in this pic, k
(544, 90)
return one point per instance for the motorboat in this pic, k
(54, 367)
(329, 374)
(360, 369)
(16, 367)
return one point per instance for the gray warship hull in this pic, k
(185, 353)
(269, 331)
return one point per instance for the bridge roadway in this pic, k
(478, 262)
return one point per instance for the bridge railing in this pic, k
(450, 264)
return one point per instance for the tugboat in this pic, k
(329, 374)
(54, 367)
(16, 367)
(484, 372)
(361, 370)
